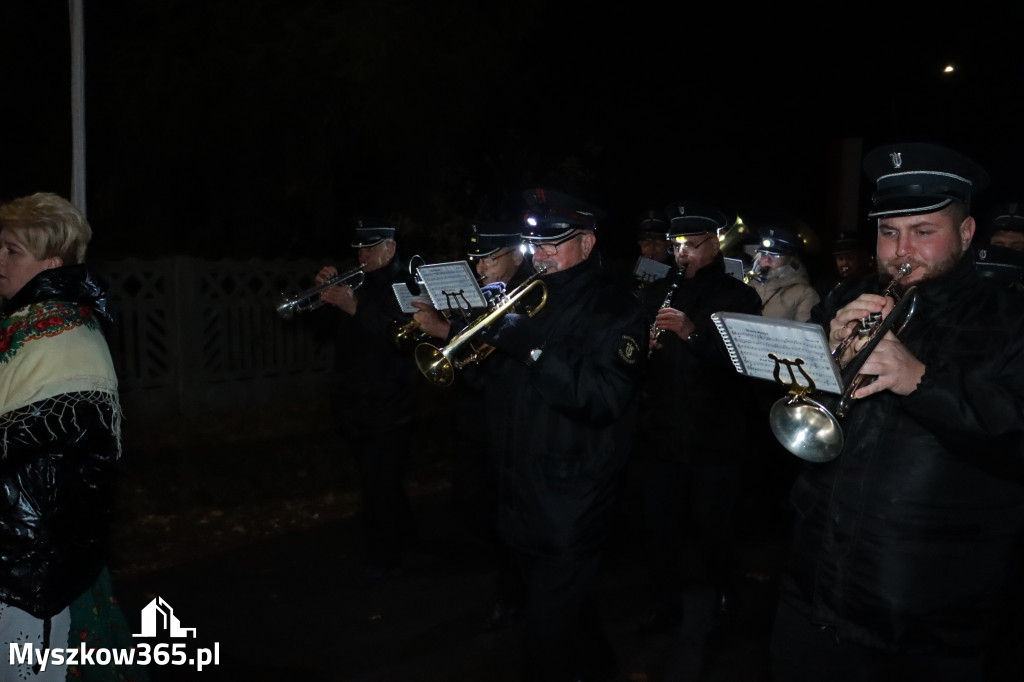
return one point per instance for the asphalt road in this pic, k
(292, 608)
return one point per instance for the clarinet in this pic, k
(655, 332)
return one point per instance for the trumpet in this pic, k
(754, 273)
(867, 324)
(439, 364)
(805, 426)
(405, 335)
(310, 298)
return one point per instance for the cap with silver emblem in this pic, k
(917, 178)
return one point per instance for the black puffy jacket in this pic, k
(57, 474)
(911, 540)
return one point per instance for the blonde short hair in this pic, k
(48, 225)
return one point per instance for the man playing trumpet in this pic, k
(906, 554)
(567, 380)
(373, 388)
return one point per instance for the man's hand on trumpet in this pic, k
(848, 318)
(341, 296)
(896, 369)
(431, 321)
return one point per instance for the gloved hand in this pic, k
(514, 334)
(493, 292)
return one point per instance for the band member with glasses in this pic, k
(373, 388)
(567, 382)
(782, 281)
(496, 254)
(907, 551)
(690, 443)
(501, 265)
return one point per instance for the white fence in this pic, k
(194, 336)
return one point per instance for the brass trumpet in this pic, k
(439, 364)
(310, 298)
(406, 335)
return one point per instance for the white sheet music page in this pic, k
(647, 270)
(452, 286)
(750, 338)
(734, 268)
(405, 298)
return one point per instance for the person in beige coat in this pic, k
(782, 281)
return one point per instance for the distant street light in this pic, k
(948, 69)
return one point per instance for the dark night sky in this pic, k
(231, 128)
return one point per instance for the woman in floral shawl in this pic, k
(59, 426)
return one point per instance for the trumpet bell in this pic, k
(434, 365)
(806, 428)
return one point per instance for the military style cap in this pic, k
(917, 178)
(777, 240)
(554, 215)
(487, 238)
(371, 231)
(653, 226)
(690, 218)
(848, 241)
(1009, 216)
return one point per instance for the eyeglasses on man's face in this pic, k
(684, 244)
(494, 257)
(550, 247)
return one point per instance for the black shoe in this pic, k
(502, 615)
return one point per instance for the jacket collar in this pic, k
(69, 283)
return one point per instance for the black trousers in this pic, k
(380, 454)
(689, 527)
(804, 652)
(564, 638)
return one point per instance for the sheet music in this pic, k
(405, 298)
(452, 286)
(734, 268)
(647, 270)
(750, 338)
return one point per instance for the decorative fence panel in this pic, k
(195, 336)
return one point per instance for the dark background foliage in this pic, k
(231, 128)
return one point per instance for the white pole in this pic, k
(77, 104)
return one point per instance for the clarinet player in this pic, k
(690, 443)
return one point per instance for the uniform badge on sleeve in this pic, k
(629, 350)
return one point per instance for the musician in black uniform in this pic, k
(373, 392)
(855, 267)
(564, 389)
(692, 440)
(1006, 229)
(907, 552)
(500, 263)
(653, 242)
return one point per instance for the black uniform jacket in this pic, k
(695, 401)
(374, 381)
(911, 539)
(559, 428)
